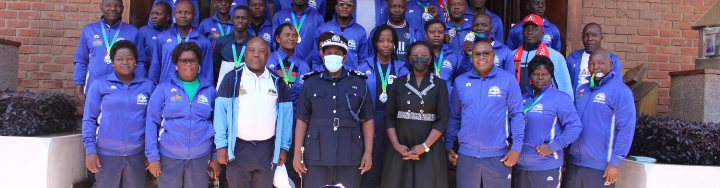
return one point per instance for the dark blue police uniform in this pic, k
(334, 141)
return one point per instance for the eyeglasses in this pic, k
(344, 3)
(193, 61)
(485, 54)
(544, 75)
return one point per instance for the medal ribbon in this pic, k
(237, 58)
(529, 106)
(187, 37)
(295, 24)
(222, 33)
(109, 45)
(384, 78)
(542, 50)
(286, 74)
(438, 64)
(423, 5)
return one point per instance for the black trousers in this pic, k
(252, 166)
(318, 176)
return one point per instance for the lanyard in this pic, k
(286, 74)
(238, 58)
(529, 106)
(220, 27)
(542, 50)
(424, 6)
(438, 64)
(187, 37)
(384, 78)
(295, 24)
(117, 33)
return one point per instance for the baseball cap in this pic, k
(533, 18)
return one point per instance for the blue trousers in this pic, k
(536, 178)
(252, 166)
(586, 177)
(188, 173)
(371, 178)
(126, 170)
(318, 176)
(472, 172)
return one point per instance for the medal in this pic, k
(297, 25)
(470, 37)
(109, 45)
(438, 65)
(107, 59)
(427, 17)
(287, 75)
(452, 33)
(383, 97)
(237, 59)
(299, 38)
(384, 79)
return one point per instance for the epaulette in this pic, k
(310, 74)
(357, 73)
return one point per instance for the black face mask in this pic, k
(420, 64)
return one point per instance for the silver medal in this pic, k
(452, 33)
(299, 39)
(427, 17)
(107, 59)
(470, 37)
(383, 97)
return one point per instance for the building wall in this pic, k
(655, 32)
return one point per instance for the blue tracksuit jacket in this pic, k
(415, 12)
(503, 59)
(574, 62)
(307, 32)
(213, 29)
(196, 22)
(148, 39)
(162, 66)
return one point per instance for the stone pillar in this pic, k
(9, 51)
(694, 95)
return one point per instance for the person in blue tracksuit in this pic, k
(228, 52)
(334, 133)
(259, 25)
(458, 27)
(220, 24)
(482, 27)
(179, 128)
(552, 124)
(533, 46)
(285, 62)
(476, 7)
(253, 120)
(577, 62)
(407, 34)
(606, 110)
(486, 108)
(306, 21)
(162, 66)
(92, 57)
(445, 61)
(173, 3)
(318, 6)
(552, 34)
(344, 24)
(266, 15)
(160, 15)
(114, 143)
(381, 70)
(419, 12)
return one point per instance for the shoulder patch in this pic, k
(310, 74)
(358, 73)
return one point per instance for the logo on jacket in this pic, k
(113, 87)
(119, 39)
(411, 11)
(266, 36)
(494, 92)
(496, 61)
(154, 37)
(538, 108)
(168, 40)
(549, 178)
(468, 84)
(96, 36)
(407, 35)
(287, 19)
(368, 72)
(547, 39)
(213, 29)
(351, 44)
(599, 98)
(142, 99)
(272, 92)
(312, 3)
(271, 66)
(173, 90)
(447, 64)
(509, 176)
(203, 100)
(175, 97)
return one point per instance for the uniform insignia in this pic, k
(550, 178)
(176, 97)
(213, 29)
(468, 84)
(154, 37)
(169, 40)
(357, 73)
(142, 99)
(272, 92)
(310, 74)
(96, 36)
(242, 90)
(203, 100)
(368, 72)
(173, 90)
(113, 87)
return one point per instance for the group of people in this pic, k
(388, 99)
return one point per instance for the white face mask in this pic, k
(333, 62)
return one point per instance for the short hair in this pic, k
(376, 37)
(433, 21)
(166, 5)
(123, 44)
(278, 31)
(541, 61)
(187, 46)
(243, 7)
(595, 24)
(427, 45)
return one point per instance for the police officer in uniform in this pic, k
(334, 133)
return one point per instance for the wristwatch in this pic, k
(427, 149)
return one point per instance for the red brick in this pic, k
(594, 4)
(682, 25)
(41, 6)
(671, 16)
(636, 57)
(659, 41)
(664, 100)
(89, 8)
(690, 34)
(669, 50)
(2, 23)
(41, 24)
(616, 21)
(40, 41)
(69, 84)
(682, 42)
(701, 9)
(660, 24)
(664, 83)
(647, 49)
(28, 49)
(659, 58)
(625, 31)
(60, 68)
(57, 16)
(637, 6)
(683, 9)
(615, 39)
(681, 59)
(651, 74)
(604, 12)
(40, 75)
(2, 5)
(652, 65)
(28, 67)
(628, 14)
(625, 47)
(710, 2)
(63, 60)
(40, 58)
(22, 58)
(648, 31)
(670, 33)
(688, 66)
(77, 16)
(27, 83)
(70, 50)
(28, 32)
(663, 109)
(18, 23)
(22, 74)
(615, 5)
(73, 33)
(70, 68)
(650, 15)
(18, 5)
(51, 84)
(589, 19)
(8, 14)
(638, 40)
(78, 1)
(65, 42)
(66, 25)
(660, 8)
(670, 67)
(51, 49)
(692, 51)
(28, 15)
(691, 17)
(64, 76)
(693, 2)
(52, 33)
(66, 7)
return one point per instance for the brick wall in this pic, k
(49, 32)
(655, 32)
